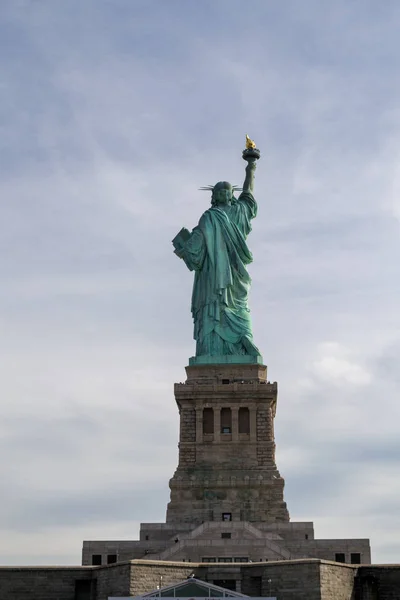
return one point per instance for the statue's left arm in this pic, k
(191, 249)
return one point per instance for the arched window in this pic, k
(244, 420)
(226, 420)
(208, 420)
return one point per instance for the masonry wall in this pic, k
(337, 581)
(113, 580)
(327, 549)
(240, 544)
(251, 581)
(378, 582)
(308, 579)
(298, 580)
(146, 576)
(41, 583)
(124, 550)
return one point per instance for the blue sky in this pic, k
(112, 115)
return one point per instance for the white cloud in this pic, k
(334, 366)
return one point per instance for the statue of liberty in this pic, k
(216, 250)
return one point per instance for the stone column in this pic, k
(217, 424)
(199, 424)
(253, 423)
(235, 423)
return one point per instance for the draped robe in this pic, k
(217, 251)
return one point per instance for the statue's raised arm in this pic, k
(218, 253)
(251, 154)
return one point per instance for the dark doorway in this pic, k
(83, 589)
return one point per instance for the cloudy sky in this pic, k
(113, 113)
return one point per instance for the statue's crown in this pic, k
(210, 188)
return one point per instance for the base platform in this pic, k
(226, 359)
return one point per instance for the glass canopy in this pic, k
(192, 588)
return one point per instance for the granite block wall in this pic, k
(42, 583)
(337, 581)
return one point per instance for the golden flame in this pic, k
(249, 143)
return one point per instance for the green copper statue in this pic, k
(218, 253)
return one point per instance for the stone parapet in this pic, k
(226, 374)
(301, 579)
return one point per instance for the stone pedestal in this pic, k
(227, 467)
(227, 503)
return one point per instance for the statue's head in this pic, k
(222, 194)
